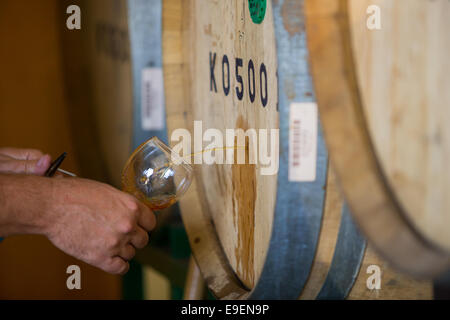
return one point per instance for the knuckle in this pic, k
(23, 167)
(131, 204)
(127, 226)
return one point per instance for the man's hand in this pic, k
(23, 161)
(91, 221)
(97, 223)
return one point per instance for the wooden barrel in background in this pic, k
(115, 88)
(106, 87)
(109, 48)
(118, 104)
(99, 88)
(384, 101)
(243, 65)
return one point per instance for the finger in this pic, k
(37, 167)
(147, 219)
(139, 238)
(116, 265)
(127, 252)
(22, 154)
(42, 165)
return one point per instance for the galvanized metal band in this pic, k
(347, 259)
(145, 25)
(299, 205)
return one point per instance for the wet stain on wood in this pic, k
(244, 198)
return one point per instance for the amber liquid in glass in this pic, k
(161, 202)
(154, 203)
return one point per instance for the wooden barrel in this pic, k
(108, 45)
(115, 64)
(242, 64)
(115, 88)
(382, 75)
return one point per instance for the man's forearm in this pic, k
(24, 200)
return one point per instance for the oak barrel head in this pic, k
(249, 231)
(382, 93)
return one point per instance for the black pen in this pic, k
(55, 164)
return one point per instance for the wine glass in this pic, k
(156, 175)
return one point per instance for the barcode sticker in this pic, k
(152, 100)
(303, 122)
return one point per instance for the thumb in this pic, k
(40, 166)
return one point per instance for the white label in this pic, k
(152, 101)
(303, 122)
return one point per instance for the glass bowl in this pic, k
(156, 175)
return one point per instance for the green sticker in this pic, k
(257, 10)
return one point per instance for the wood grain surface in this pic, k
(382, 103)
(236, 198)
(403, 76)
(204, 242)
(108, 49)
